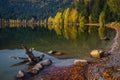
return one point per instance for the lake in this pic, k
(73, 41)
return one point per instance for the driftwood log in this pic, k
(31, 56)
(38, 66)
(26, 60)
(35, 70)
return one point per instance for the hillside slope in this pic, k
(27, 9)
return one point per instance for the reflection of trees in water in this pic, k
(101, 32)
(72, 31)
(68, 31)
(58, 29)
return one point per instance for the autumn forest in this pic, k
(60, 39)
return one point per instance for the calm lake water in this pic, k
(74, 41)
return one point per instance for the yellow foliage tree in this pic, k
(73, 32)
(50, 20)
(66, 31)
(102, 19)
(73, 16)
(81, 20)
(90, 18)
(70, 32)
(58, 18)
(58, 29)
(90, 21)
(66, 15)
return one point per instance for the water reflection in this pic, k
(101, 31)
(69, 30)
(73, 40)
(72, 31)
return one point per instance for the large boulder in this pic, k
(80, 62)
(97, 53)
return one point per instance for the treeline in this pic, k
(80, 12)
(67, 17)
(88, 11)
(28, 9)
(21, 23)
(95, 8)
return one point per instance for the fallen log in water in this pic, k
(37, 66)
(37, 59)
(35, 70)
(21, 58)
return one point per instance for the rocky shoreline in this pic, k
(106, 68)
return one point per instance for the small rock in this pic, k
(58, 53)
(36, 68)
(105, 38)
(38, 65)
(20, 74)
(34, 71)
(55, 53)
(52, 52)
(31, 49)
(80, 62)
(41, 56)
(46, 62)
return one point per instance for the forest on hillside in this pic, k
(59, 11)
(89, 11)
(27, 9)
